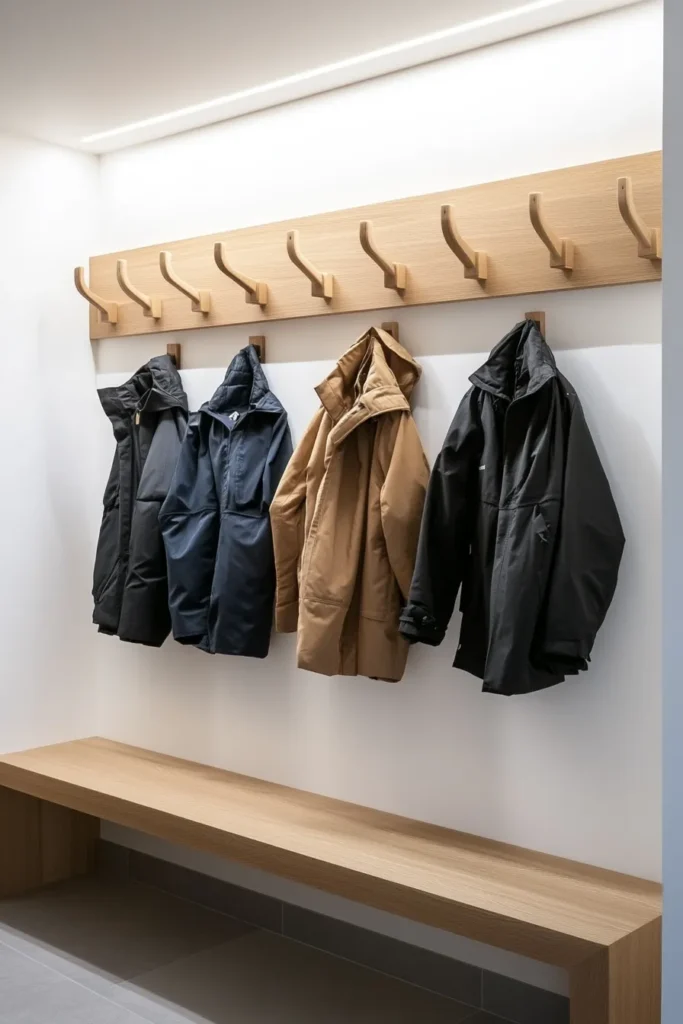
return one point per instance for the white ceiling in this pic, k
(71, 68)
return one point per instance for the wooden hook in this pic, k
(561, 249)
(151, 305)
(256, 292)
(108, 311)
(173, 351)
(539, 319)
(391, 327)
(649, 239)
(258, 341)
(200, 297)
(322, 285)
(395, 274)
(474, 261)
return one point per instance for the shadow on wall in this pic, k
(442, 329)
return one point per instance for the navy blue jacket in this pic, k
(215, 521)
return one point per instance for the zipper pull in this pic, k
(137, 419)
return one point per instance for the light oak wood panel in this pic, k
(68, 843)
(42, 843)
(20, 847)
(579, 203)
(544, 907)
(621, 984)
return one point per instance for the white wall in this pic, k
(574, 770)
(586, 91)
(673, 500)
(48, 218)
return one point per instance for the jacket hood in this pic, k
(156, 386)
(377, 368)
(244, 389)
(519, 364)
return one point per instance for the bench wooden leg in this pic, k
(622, 984)
(41, 843)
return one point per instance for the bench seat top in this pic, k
(551, 909)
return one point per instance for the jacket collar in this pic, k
(519, 365)
(374, 375)
(156, 386)
(244, 388)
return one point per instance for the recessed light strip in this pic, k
(428, 46)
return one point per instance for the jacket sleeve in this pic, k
(445, 533)
(189, 523)
(108, 558)
(402, 500)
(588, 551)
(288, 519)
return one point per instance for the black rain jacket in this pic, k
(518, 511)
(215, 521)
(149, 417)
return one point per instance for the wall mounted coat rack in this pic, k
(578, 227)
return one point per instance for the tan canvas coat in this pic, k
(346, 516)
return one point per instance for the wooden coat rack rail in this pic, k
(578, 227)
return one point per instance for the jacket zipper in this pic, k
(501, 575)
(136, 444)
(227, 472)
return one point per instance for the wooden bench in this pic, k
(605, 928)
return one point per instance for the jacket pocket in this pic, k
(107, 558)
(541, 527)
(542, 524)
(102, 588)
(249, 460)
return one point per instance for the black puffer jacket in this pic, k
(215, 521)
(149, 417)
(518, 511)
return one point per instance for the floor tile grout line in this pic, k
(147, 1020)
(129, 981)
(204, 906)
(211, 945)
(494, 1017)
(376, 970)
(320, 949)
(232, 917)
(283, 903)
(124, 981)
(497, 1018)
(256, 928)
(75, 981)
(325, 952)
(226, 942)
(187, 956)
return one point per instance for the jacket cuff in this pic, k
(420, 627)
(567, 656)
(287, 617)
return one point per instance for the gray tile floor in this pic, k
(95, 952)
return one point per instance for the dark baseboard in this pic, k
(504, 997)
